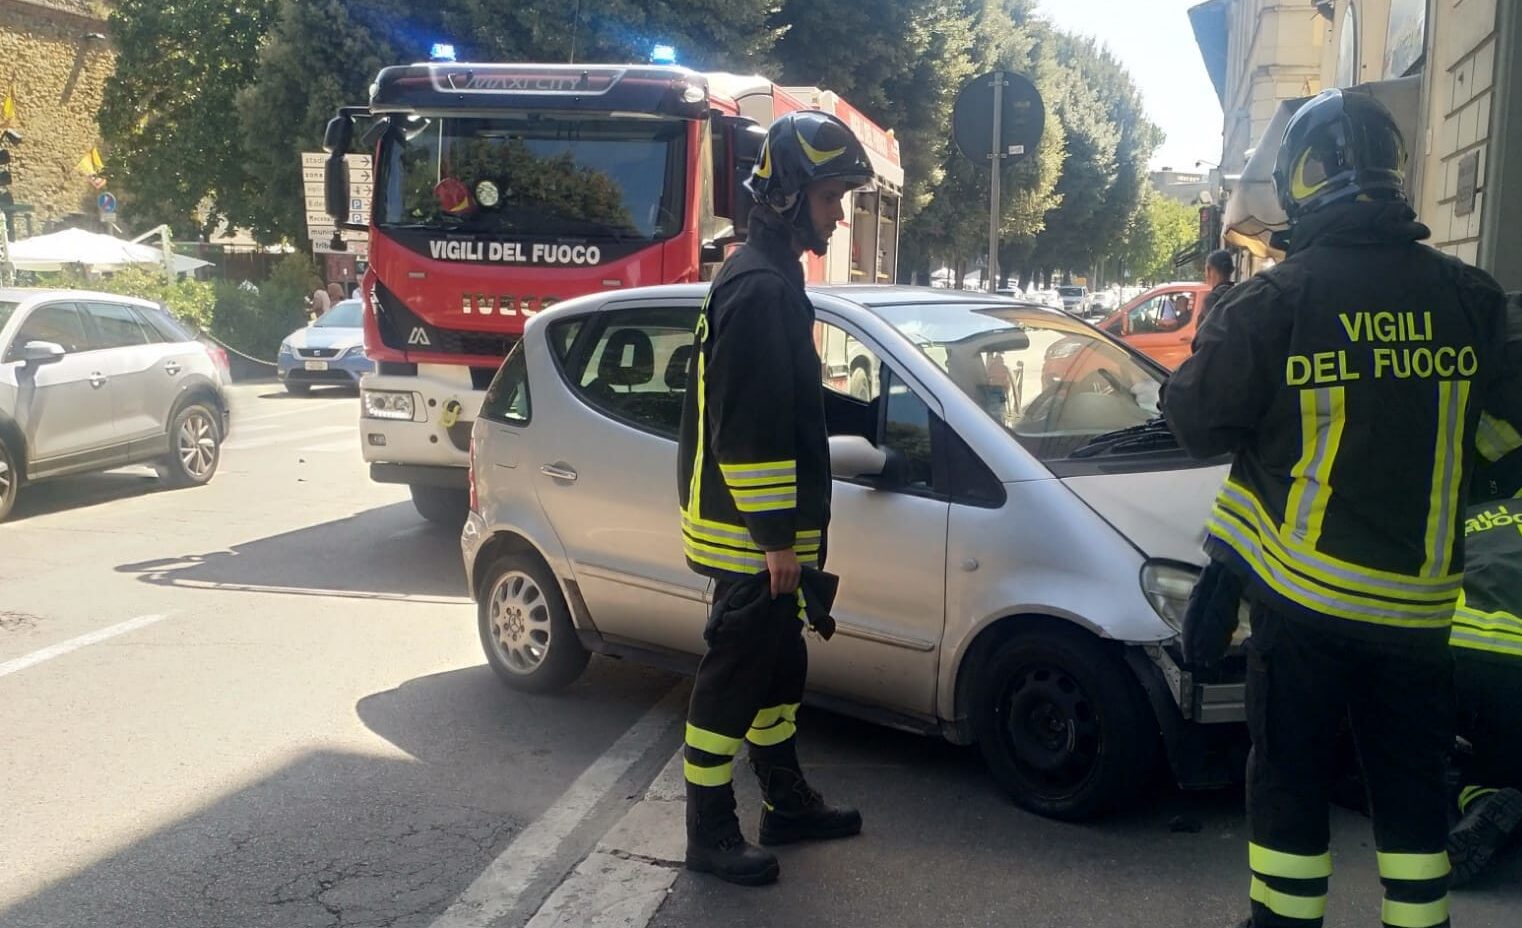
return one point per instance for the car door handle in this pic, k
(558, 472)
(172, 368)
(97, 379)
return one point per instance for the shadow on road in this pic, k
(317, 391)
(353, 838)
(67, 494)
(384, 553)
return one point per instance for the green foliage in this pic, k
(191, 300)
(254, 321)
(1160, 228)
(173, 135)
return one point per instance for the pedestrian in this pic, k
(1348, 382)
(1218, 271)
(754, 483)
(318, 303)
(336, 293)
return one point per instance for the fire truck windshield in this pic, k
(593, 177)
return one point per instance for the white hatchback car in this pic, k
(1016, 577)
(92, 381)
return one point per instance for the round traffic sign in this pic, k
(106, 202)
(1022, 117)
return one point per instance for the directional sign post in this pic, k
(320, 226)
(997, 117)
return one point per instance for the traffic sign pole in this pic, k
(996, 162)
(7, 273)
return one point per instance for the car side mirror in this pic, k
(712, 253)
(852, 456)
(38, 353)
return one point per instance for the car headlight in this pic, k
(285, 348)
(1167, 586)
(357, 351)
(385, 404)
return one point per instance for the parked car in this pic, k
(1072, 298)
(1011, 581)
(1161, 322)
(329, 351)
(94, 381)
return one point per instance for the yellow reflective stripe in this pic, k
(736, 561)
(1322, 420)
(711, 741)
(1496, 438)
(708, 776)
(773, 470)
(728, 547)
(738, 536)
(773, 735)
(790, 711)
(1240, 500)
(1470, 793)
(746, 482)
(766, 501)
(1447, 474)
(1274, 572)
(1270, 862)
(695, 487)
(1414, 914)
(1286, 905)
(766, 718)
(1413, 867)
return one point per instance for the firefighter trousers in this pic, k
(748, 688)
(1303, 678)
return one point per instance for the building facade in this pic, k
(55, 57)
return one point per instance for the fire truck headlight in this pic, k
(487, 194)
(693, 94)
(386, 404)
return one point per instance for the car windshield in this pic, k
(1070, 291)
(535, 173)
(1061, 388)
(6, 309)
(348, 314)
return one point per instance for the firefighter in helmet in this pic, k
(754, 484)
(1348, 382)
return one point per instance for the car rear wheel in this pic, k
(10, 480)
(1063, 726)
(297, 389)
(525, 627)
(441, 505)
(196, 442)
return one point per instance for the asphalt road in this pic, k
(263, 703)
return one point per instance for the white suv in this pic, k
(94, 381)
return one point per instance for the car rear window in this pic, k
(6, 309)
(166, 325)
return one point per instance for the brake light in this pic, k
(220, 359)
(470, 476)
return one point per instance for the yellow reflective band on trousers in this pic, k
(1414, 914)
(1443, 508)
(1285, 905)
(1413, 867)
(1470, 793)
(1496, 438)
(1323, 416)
(709, 776)
(1270, 862)
(773, 725)
(711, 742)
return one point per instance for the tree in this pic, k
(167, 115)
(1159, 230)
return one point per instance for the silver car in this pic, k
(93, 381)
(1016, 547)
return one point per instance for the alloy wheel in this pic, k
(520, 622)
(198, 444)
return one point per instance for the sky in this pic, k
(1154, 42)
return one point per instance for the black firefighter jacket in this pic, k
(754, 459)
(1349, 382)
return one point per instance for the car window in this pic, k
(6, 309)
(168, 328)
(907, 430)
(348, 314)
(1168, 312)
(846, 366)
(116, 326)
(507, 399)
(634, 366)
(59, 323)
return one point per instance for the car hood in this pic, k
(326, 337)
(1161, 512)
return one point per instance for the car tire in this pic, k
(10, 480)
(526, 629)
(1063, 726)
(196, 438)
(297, 389)
(441, 505)
(860, 384)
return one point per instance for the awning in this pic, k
(94, 250)
(1211, 35)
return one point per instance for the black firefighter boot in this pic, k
(790, 809)
(714, 842)
(1486, 826)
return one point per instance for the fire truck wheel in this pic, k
(440, 505)
(525, 626)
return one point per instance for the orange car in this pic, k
(1161, 322)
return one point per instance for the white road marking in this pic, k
(607, 891)
(74, 644)
(501, 887)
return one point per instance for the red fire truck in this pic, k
(500, 189)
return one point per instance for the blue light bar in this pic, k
(663, 54)
(441, 51)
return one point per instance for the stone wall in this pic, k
(56, 75)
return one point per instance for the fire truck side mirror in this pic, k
(336, 140)
(735, 157)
